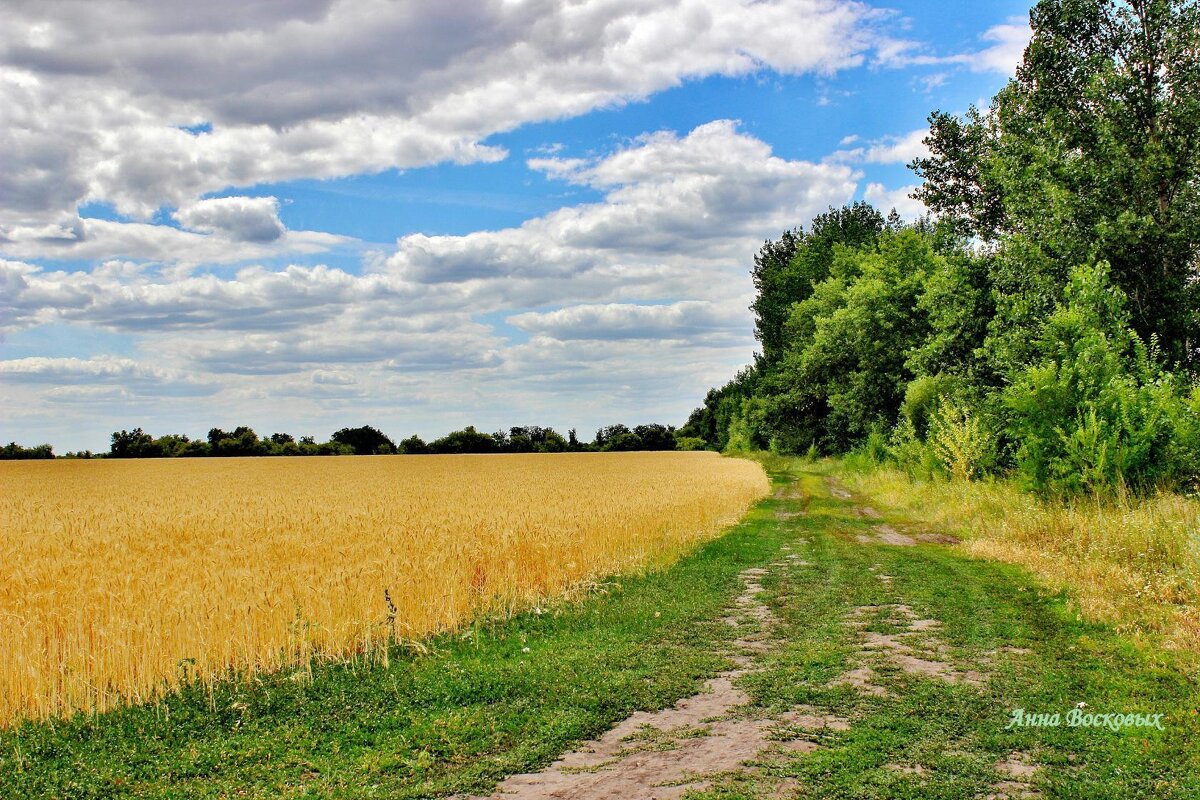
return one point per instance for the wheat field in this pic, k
(122, 578)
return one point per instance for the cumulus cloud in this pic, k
(438, 342)
(103, 98)
(900, 199)
(242, 219)
(221, 236)
(1008, 49)
(692, 321)
(1002, 56)
(886, 150)
(700, 196)
(140, 302)
(132, 376)
(678, 219)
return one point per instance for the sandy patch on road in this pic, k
(662, 755)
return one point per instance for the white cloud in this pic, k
(221, 237)
(95, 93)
(680, 217)
(887, 150)
(708, 196)
(138, 301)
(900, 199)
(1005, 55)
(242, 219)
(688, 320)
(132, 376)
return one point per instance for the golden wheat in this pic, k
(122, 578)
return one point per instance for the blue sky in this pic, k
(421, 218)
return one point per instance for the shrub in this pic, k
(748, 426)
(922, 398)
(1094, 412)
(960, 441)
(911, 453)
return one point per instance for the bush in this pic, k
(961, 441)
(414, 446)
(922, 398)
(1095, 413)
(748, 426)
(912, 454)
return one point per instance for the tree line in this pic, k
(15, 452)
(1043, 322)
(367, 440)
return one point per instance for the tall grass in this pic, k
(123, 578)
(1132, 562)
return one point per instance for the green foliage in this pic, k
(414, 446)
(619, 438)
(912, 453)
(956, 302)
(970, 339)
(961, 441)
(1090, 153)
(785, 271)
(15, 452)
(845, 372)
(534, 439)
(1095, 412)
(875, 447)
(748, 426)
(923, 396)
(241, 441)
(468, 440)
(654, 436)
(364, 441)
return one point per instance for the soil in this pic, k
(664, 754)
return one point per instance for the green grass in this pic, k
(478, 706)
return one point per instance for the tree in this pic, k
(535, 439)
(414, 446)
(777, 288)
(241, 441)
(365, 441)
(785, 271)
(623, 442)
(605, 435)
(655, 436)
(845, 371)
(15, 452)
(132, 444)
(468, 440)
(1089, 154)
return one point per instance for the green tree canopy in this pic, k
(1091, 153)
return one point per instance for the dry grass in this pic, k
(123, 577)
(1134, 563)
